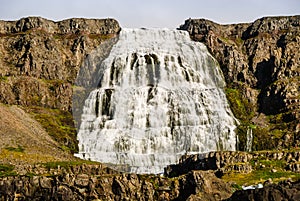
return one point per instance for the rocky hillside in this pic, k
(39, 62)
(24, 140)
(261, 65)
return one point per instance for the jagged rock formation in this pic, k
(261, 60)
(40, 58)
(232, 162)
(220, 162)
(283, 191)
(96, 182)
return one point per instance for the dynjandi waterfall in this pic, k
(160, 96)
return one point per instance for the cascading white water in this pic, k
(160, 97)
(249, 139)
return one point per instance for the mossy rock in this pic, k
(59, 125)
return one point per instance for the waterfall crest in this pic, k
(160, 96)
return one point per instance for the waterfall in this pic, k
(160, 96)
(249, 139)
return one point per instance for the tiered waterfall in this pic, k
(160, 96)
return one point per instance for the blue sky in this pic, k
(150, 13)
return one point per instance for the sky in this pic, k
(150, 13)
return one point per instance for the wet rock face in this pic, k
(262, 58)
(40, 58)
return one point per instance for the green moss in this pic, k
(59, 125)
(239, 41)
(30, 174)
(242, 110)
(266, 136)
(3, 78)
(236, 186)
(16, 149)
(263, 169)
(7, 170)
(58, 36)
(260, 176)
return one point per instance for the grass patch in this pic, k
(7, 170)
(3, 78)
(263, 169)
(259, 176)
(67, 164)
(272, 163)
(236, 186)
(30, 158)
(15, 149)
(59, 125)
(239, 41)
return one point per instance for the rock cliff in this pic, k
(261, 65)
(40, 59)
(39, 62)
(96, 182)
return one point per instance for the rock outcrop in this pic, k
(224, 162)
(220, 162)
(261, 60)
(276, 192)
(94, 182)
(40, 59)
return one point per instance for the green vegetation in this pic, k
(7, 170)
(3, 78)
(236, 186)
(260, 176)
(266, 137)
(263, 169)
(241, 107)
(59, 125)
(269, 137)
(15, 149)
(242, 110)
(66, 164)
(239, 41)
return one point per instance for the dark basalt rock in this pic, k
(220, 162)
(283, 191)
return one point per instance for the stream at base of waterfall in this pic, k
(160, 96)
